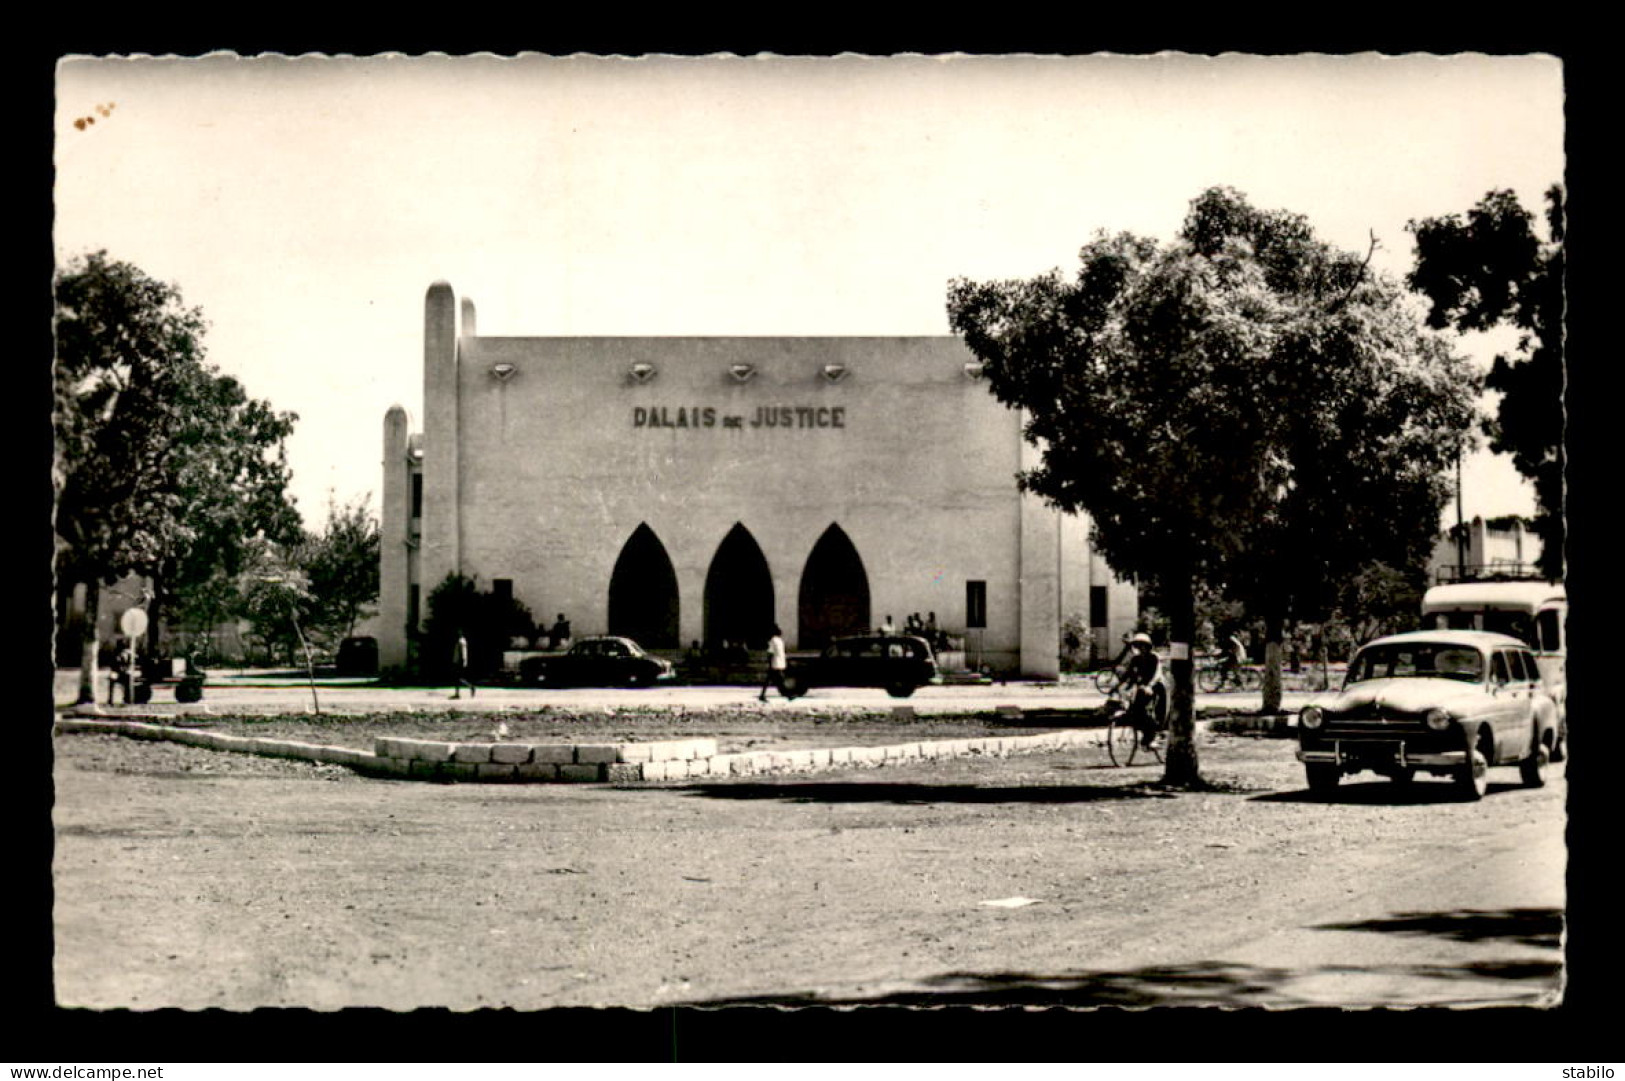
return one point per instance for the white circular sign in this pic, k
(133, 622)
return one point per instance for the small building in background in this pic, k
(1480, 549)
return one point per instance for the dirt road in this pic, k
(195, 879)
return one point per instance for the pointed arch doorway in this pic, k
(643, 593)
(738, 592)
(834, 597)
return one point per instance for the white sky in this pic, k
(307, 204)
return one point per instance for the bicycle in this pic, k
(1108, 680)
(1216, 675)
(1125, 734)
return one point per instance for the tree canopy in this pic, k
(1245, 407)
(1487, 268)
(163, 466)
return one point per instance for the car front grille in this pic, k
(1373, 716)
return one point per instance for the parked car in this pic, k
(596, 662)
(1534, 611)
(899, 663)
(1450, 703)
(357, 656)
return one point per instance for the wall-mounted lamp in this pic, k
(742, 373)
(833, 373)
(504, 372)
(973, 369)
(642, 372)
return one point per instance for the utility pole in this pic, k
(1461, 526)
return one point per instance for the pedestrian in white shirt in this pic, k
(775, 665)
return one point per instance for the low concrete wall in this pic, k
(615, 763)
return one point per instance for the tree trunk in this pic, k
(157, 605)
(1274, 626)
(88, 644)
(1181, 767)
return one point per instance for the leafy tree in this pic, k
(341, 564)
(161, 464)
(231, 467)
(279, 599)
(1245, 408)
(1487, 269)
(1381, 600)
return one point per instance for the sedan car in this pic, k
(899, 663)
(1450, 703)
(596, 662)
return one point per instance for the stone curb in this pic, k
(620, 763)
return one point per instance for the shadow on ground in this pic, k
(1541, 927)
(1383, 793)
(895, 792)
(1209, 983)
(1228, 984)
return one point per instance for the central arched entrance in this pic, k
(738, 593)
(834, 597)
(643, 593)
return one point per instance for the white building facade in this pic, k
(683, 490)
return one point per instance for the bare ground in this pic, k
(198, 879)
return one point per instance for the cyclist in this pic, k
(1138, 677)
(1235, 657)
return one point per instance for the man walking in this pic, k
(459, 662)
(775, 665)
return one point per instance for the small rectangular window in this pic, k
(975, 605)
(417, 495)
(1097, 606)
(412, 609)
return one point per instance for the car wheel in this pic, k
(1323, 777)
(1560, 750)
(1403, 777)
(900, 690)
(1533, 768)
(637, 679)
(1473, 778)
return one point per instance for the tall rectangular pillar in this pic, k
(440, 553)
(394, 541)
(1040, 583)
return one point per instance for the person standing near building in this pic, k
(459, 662)
(559, 636)
(775, 665)
(888, 628)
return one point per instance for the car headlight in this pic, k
(1311, 717)
(1437, 719)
